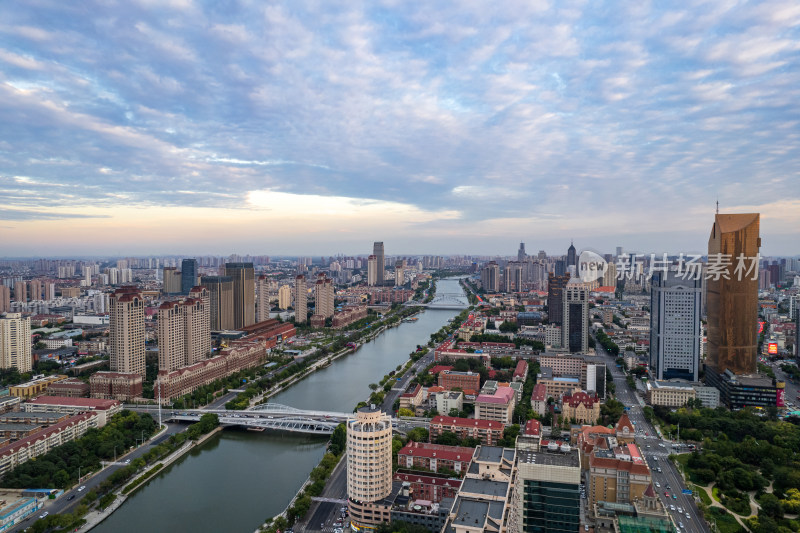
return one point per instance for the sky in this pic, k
(151, 126)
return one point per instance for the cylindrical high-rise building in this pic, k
(369, 465)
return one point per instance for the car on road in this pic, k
(671, 507)
(71, 497)
(688, 516)
(127, 461)
(44, 514)
(674, 497)
(83, 487)
(658, 485)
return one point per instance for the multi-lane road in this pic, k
(667, 481)
(71, 498)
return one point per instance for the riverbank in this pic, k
(94, 518)
(323, 363)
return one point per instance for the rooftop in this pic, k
(551, 458)
(89, 403)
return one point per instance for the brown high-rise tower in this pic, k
(733, 302)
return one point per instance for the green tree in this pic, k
(448, 438)
(418, 434)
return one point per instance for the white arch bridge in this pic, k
(274, 416)
(444, 300)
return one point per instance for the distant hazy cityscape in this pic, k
(564, 392)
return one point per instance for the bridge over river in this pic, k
(277, 417)
(443, 300)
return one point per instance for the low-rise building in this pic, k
(429, 485)
(185, 380)
(669, 394)
(434, 457)
(521, 371)
(449, 400)
(558, 386)
(16, 510)
(41, 442)
(539, 399)
(488, 432)
(34, 387)
(39, 419)
(484, 500)
(618, 475)
(104, 409)
(453, 379)
(412, 398)
(498, 406)
(71, 387)
(15, 431)
(123, 386)
(580, 408)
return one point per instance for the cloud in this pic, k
(20, 214)
(481, 112)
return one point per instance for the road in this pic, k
(399, 387)
(323, 515)
(656, 450)
(65, 505)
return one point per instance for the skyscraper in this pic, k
(548, 490)
(572, 258)
(675, 332)
(21, 291)
(184, 335)
(377, 251)
(733, 302)
(126, 331)
(323, 296)
(244, 293)
(555, 297)
(5, 299)
(262, 295)
(372, 271)
(284, 298)
(171, 283)
(188, 275)
(369, 464)
(300, 300)
(220, 293)
(399, 273)
(521, 255)
(560, 267)
(36, 289)
(490, 277)
(15, 342)
(575, 327)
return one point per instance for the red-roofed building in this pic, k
(451, 379)
(580, 407)
(105, 409)
(625, 430)
(616, 480)
(41, 442)
(521, 372)
(431, 487)
(439, 368)
(123, 386)
(539, 399)
(533, 428)
(488, 432)
(412, 398)
(434, 456)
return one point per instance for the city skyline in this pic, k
(179, 127)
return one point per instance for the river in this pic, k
(238, 479)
